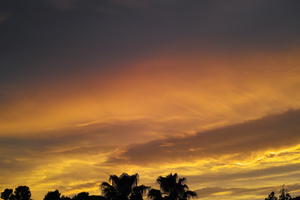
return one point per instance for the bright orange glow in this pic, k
(167, 95)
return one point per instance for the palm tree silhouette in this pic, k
(155, 194)
(138, 192)
(123, 187)
(172, 188)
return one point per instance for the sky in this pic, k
(208, 89)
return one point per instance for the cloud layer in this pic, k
(236, 141)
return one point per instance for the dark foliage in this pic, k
(125, 187)
(171, 188)
(65, 198)
(20, 193)
(155, 194)
(7, 194)
(271, 196)
(283, 195)
(55, 195)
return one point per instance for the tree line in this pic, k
(283, 195)
(123, 187)
(126, 187)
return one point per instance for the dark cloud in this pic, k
(52, 39)
(240, 140)
(268, 173)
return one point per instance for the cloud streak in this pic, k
(241, 140)
(229, 192)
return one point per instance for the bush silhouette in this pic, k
(20, 193)
(55, 195)
(7, 194)
(81, 196)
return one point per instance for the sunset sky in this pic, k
(209, 89)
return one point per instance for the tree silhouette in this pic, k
(123, 187)
(65, 198)
(53, 195)
(155, 194)
(22, 193)
(172, 188)
(271, 196)
(7, 194)
(138, 192)
(81, 196)
(96, 197)
(283, 194)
